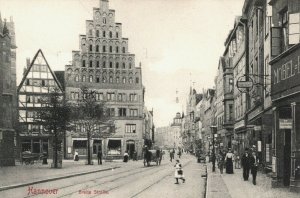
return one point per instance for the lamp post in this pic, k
(213, 129)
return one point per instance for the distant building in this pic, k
(38, 81)
(104, 65)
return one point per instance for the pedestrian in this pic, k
(179, 172)
(254, 166)
(99, 156)
(125, 157)
(179, 153)
(135, 156)
(76, 156)
(221, 159)
(229, 161)
(246, 164)
(172, 154)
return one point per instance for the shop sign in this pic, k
(257, 128)
(274, 164)
(239, 124)
(285, 123)
(259, 146)
(285, 74)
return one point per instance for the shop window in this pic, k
(114, 147)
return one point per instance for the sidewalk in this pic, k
(23, 175)
(233, 185)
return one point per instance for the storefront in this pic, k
(285, 94)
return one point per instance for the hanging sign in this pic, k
(244, 84)
(285, 123)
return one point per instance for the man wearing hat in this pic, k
(246, 164)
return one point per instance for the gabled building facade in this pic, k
(37, 83)
(104, 65)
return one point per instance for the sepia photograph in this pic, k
(150, 98)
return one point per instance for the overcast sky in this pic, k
(179, 42)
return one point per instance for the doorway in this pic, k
(130, 147)
(287, 157)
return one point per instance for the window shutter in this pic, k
(294, 28)
(276, 41)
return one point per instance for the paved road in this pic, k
(131, 180)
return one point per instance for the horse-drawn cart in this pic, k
(152, 156)
(29, 158)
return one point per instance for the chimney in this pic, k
(27, 62)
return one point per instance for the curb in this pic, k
(53, 179)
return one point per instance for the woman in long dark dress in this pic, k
(229, 162)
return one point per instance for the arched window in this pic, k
(104, 80)
(91, 63)
(110, 49)
(97, 64)
(130, 65)
(110, 64)
(104, 64)
(104, 49)
(118, 80)
(110, 34)
(117, 49)
(97, 33)
(97, 79)
(123, 65)
(117, 65)
(130, 80)
(83, 78)
(110, 79)
(117, 34)
(123, 49)
(91, 78)
(76, 78)
(104, 20)
(91, 48)
(97, 48)
(103, 33)
(83, 63)
(124, 80)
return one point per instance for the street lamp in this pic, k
(213, 129)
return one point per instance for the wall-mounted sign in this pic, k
(285, 123)
(257, 128)
(244, 84)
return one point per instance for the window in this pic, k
(117, 49)
(104, 80)
(130, 80)
(104, 64)
(122, 112)
(76, 78)
(133, 112)
(130, 128)
(120, 97)
(110, 96)
(111, 79)
(124, 80)
(83, 78)
(103, 49)
(136, 80)
(110, 34)
(123, 50)
(91, 48)
(230, 109)
(103, 33)
(83, 63)
(117, 65)
(117, 34)
(111, 111)
(110, 64)
(98, 64)
(294, 28)
(118, 80)
(91, 63)
(91, 78)
(123, 65)
(97, 48)
(97, 33)
(104, 20)
(130, 65)
(97, 79)
(110, 49)
(99, 96)
(132, 97)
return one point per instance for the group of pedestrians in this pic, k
(249, 163)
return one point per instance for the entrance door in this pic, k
(287, 158)
(130, 147)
